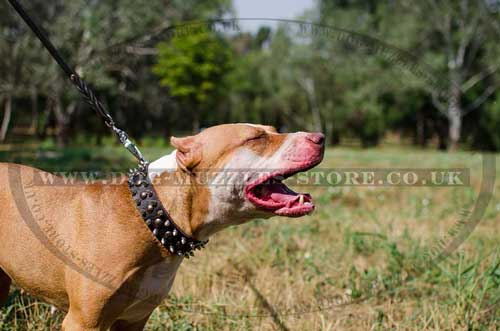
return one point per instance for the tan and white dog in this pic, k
(87, 250)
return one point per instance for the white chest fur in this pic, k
(154, 287)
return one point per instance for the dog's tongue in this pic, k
(279, 192)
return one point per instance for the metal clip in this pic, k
(129, 145)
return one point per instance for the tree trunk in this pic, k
(420, 134)
(332, 134)
(6, 118)
(44, 123)
(196, 121)
(63, 122)
(308, 86)
(34, 111)
(454, 118)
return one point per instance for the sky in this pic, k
(269, 9)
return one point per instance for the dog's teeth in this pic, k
(307, 203)
(301, 199)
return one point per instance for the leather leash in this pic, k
(150, 207)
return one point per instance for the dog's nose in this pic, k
(316, 137)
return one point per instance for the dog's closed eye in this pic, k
(258, 136)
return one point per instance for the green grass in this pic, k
(360, 262)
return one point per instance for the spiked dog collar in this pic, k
(156, 217)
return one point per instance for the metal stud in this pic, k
(180, 245)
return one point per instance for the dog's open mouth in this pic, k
(270, 193)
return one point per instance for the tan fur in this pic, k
(87, 250)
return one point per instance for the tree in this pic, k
(193, 68)
(455, 40)
(16, 50)
(462, 43)
(108, 43)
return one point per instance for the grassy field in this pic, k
(360, 262)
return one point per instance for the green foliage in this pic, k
(193, 67)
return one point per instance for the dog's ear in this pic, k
(270, 128)
(188, 152)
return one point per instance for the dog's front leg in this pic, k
(74, 321)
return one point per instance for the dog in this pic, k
(86, 249)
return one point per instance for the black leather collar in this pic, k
(156, 217)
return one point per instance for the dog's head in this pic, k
(240, 169)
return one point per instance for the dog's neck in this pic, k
(186, 203)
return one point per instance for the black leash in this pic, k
(84, 89)
(150, 207)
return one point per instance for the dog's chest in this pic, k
(153, 285)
